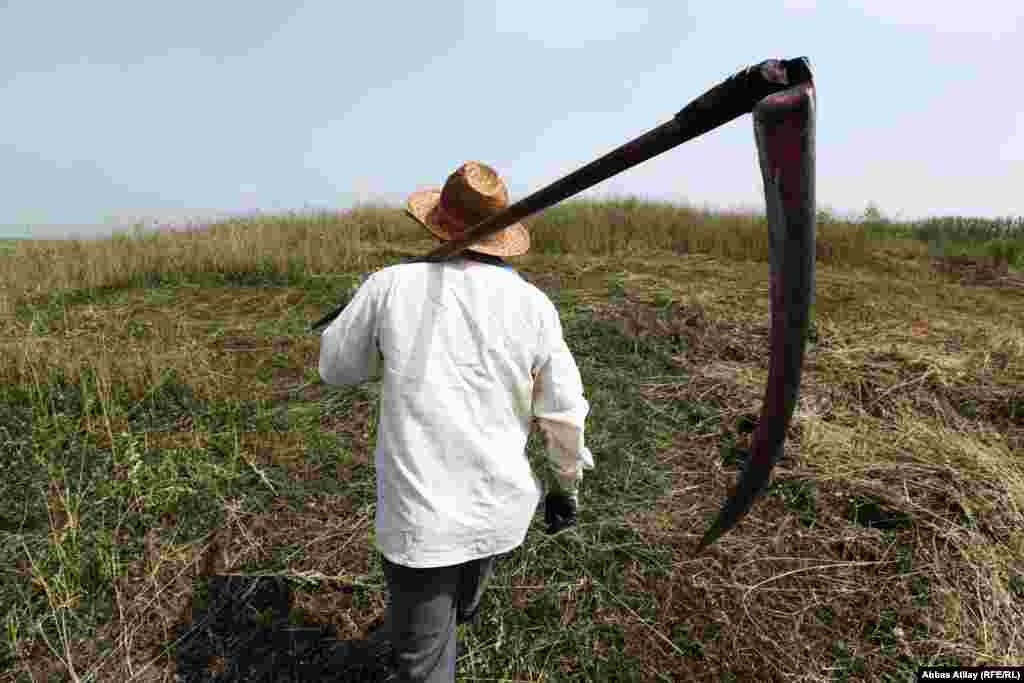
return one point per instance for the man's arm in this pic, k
(348, 347)
(560, 408)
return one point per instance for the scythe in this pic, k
(780, 93)
(784, 130)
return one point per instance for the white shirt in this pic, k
(468, 354)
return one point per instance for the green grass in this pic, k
(957, 235)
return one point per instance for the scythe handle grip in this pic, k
(739, 94)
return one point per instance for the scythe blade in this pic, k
(784, 130)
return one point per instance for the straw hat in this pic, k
(472, 193)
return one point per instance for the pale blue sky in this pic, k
(117, 111)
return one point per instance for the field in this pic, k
(182, 496)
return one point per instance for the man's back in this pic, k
(460, 343)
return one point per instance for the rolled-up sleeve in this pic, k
(560, 407)
(348, 347)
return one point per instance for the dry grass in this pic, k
(911, 412)
(320, 243)
(350, 241)
(891, 537)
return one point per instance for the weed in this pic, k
(798, 496)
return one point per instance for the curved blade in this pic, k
(784, 130)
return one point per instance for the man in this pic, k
(469, 353)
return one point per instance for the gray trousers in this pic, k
(423, 609)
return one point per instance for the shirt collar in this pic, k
(486, 258)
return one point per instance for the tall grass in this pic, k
(287, 244)
(966, 229)
(1002, 238)
(619, 226)
(299, 244)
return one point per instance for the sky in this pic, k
(115, 113)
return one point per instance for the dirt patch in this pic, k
(701, 335)
(991, 271)
(286, 382)
(551, 283)
(356, 421)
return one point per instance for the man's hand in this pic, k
(559, 512)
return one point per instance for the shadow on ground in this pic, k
(244, 629)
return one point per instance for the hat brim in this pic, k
(511, 241)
